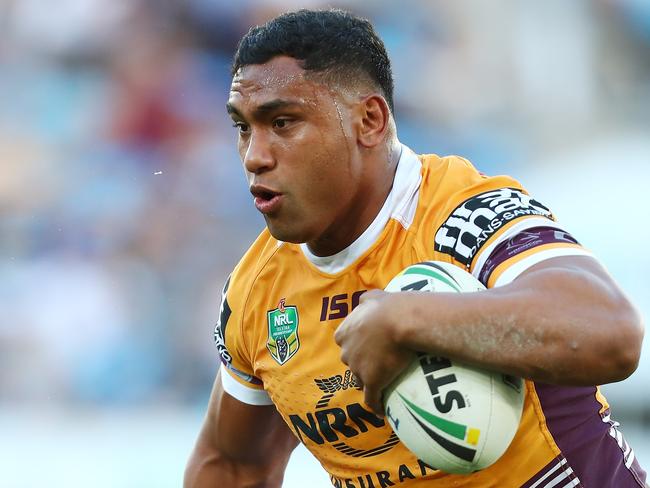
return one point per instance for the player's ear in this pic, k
(374, 120)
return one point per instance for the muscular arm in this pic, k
(564, 321)
(239, 445)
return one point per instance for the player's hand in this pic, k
(368, 346)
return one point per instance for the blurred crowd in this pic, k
(123, 204)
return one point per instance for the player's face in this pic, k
(296, 140)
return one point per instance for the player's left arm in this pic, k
(563, 321)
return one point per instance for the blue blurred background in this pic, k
(123, 205)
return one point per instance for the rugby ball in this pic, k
(454, 417)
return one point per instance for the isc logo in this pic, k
(339, 306)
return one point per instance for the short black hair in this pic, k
(332, 41)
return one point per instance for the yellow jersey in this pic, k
(281, 306)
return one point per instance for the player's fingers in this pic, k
(372, 397)
(339, 333)
(344, 356)
(369, 295)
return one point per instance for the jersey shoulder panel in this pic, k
(252, 263)
(489, 226)
(449, 181)
(462, 210)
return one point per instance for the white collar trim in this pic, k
(400, 205)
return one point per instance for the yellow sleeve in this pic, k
(237, 374)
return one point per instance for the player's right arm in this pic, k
(239, 445)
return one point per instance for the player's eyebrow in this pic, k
(264, 108)
(231, 109)
(276, 104)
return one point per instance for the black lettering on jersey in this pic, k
(336, 424)
(336, 482)
(220, 328)
(325, 423)
(308, 428)
(332, 419)
(404, 472)
(475, 220)
(339, 306)
(360, 416)
(384, 479)
(424, 466)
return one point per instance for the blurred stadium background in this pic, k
(123, 206)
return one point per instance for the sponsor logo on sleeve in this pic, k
(478, 218)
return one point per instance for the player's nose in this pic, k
(258, 157)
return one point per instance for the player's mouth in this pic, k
(266, 200)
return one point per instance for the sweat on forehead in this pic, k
(286, 72)
(278, 71)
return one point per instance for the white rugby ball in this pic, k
(454, 417)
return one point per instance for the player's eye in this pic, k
(241, 126)
(280, 123)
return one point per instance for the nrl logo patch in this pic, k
(283, 342)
